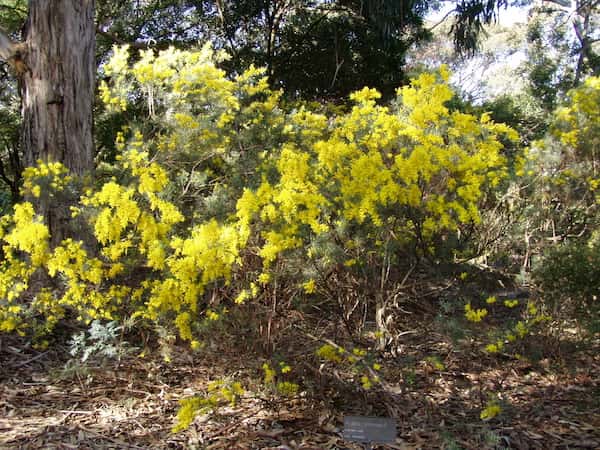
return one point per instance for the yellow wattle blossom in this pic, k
(264, 278)
(242, 297)
(366, 382)
(329, 353)
(474, 315)
(359, 352)
(287, 388)
(521, 329)
(183, 322)
(495, 347)
(350, 262)
(218, 393)
(531, 308)
(310, 286)
(491, 410)
(212, 315)
(269, 376)
(196, 345)
(30, 234)
(285, 368)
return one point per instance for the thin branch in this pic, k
(30, 360)
(7, 46)
(3, 175)
(14, 8)
(443, 19)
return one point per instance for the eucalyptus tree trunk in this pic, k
(58, 83)
(56, 67)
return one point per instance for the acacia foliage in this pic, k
(566, 201)
(311, 49)
(561, 171)
(277, 190)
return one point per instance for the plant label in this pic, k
(369, 429)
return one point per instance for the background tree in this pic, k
(58, 83)
(311, 49)
(563, 47)
(12, 17)
(55, 67)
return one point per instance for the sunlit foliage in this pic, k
(228, 178)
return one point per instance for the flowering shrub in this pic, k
(209, 131)
(563, 172)
(569, 276)
(576, 125)
(416, 172)
(525, 319)
(131, 225)
(273, 379)
(219, 393)
(359, 360)
(226, 191)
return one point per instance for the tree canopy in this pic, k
(311, 49)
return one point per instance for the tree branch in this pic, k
(7, 46)
(442, 20)
(14, 9)
(13, 53)
(563, 3)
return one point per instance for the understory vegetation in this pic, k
(313, 240)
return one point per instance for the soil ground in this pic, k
(552, 403)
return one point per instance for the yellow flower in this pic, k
(366, 382)
(491, 348)
(359, 352)
(264, 278)
(310, 286)
(329, 352)
(474, 315)
(531, 308)
(211, 315)
(491, 410)
(285, 368)
(242, 297)
(287, 388)
(269, 373)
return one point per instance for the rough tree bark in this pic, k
(55, 65)
(58, 83)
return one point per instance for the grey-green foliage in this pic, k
(562, 48)
(101, 340)
(569, 276)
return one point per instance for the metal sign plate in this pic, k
(369, 429)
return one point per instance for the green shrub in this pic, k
(569, 276)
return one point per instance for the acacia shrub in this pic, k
(560, 173)
(569, 277)
(230, 196)
(209, 131)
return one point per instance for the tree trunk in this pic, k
(58, 85)
(57, 94)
